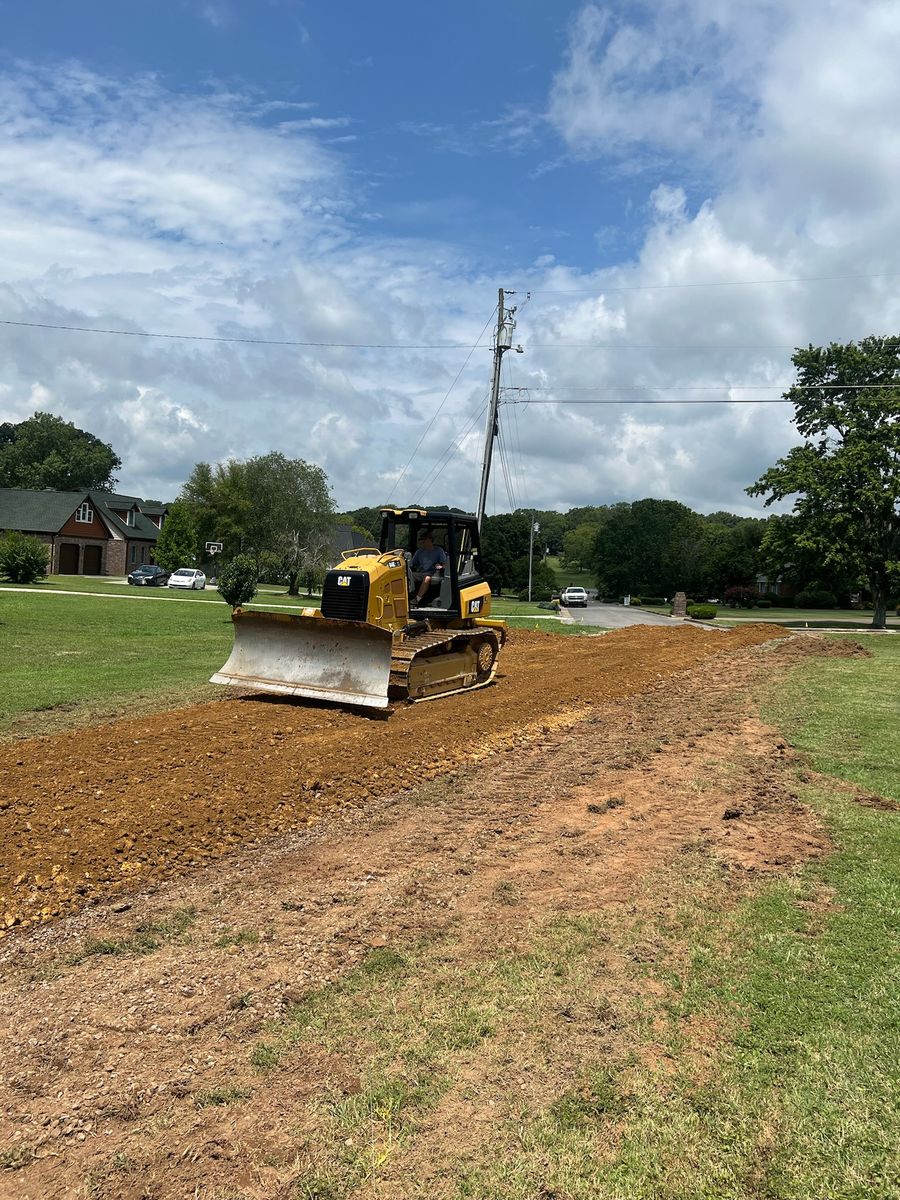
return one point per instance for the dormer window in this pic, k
(84, 513)
(129, 517)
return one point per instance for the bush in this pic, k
(23, 559)
(815, 597)
(763, 603)
(538, 592)
(656, 601)
(237, 580)
(740, 597)
(701, 612)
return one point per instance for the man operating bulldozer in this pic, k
(428, 565)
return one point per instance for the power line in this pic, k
(653, 287)
(441, 405)
(716, 387)
(669, 345)
(241, 341)
(251, 341)
(434, 474)
(752, 400)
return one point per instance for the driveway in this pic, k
(615, 616)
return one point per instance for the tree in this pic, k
(291, 511)
(578, 547)
(650, 546)
(219, 504)
(730, 551)
(269, 506)
(23, 559)
(504, 539)
(237, 580)
(543, 579)
(177, 544)
(45, 451)
(846, 475)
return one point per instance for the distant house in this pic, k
(775, 585)
(88, 533)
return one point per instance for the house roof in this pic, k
(344, 537)
(40, 512)
(47, 511)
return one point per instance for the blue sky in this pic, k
(372, 173)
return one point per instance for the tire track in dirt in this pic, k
(99, 811)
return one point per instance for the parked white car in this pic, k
(184, 577)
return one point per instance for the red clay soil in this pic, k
(648, 771)
(102, 810)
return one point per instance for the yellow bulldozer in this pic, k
(383, 632)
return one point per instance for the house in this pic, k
(775, 585)
(87, 533)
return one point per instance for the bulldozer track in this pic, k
(420, 645)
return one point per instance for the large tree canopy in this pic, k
(651, 545)
(846, 475)
(268, 505)
(47, 452)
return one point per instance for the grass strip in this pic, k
(145, 939)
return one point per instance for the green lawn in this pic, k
(802, 618)
(566, 578)
(267, 594)
(67, 660)
(804, 978)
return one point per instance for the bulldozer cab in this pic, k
(456, 533)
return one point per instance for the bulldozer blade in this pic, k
(348, 662)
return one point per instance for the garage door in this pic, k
(93, 556)
(68, 559)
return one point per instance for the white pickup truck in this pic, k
(574, 597)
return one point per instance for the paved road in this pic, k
(616, 616)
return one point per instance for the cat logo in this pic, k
(343, 580)
(475, 606)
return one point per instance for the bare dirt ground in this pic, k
(127, 1029)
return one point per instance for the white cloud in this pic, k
(126, 206)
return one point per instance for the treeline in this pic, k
(651, 546)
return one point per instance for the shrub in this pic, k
(237, 580)
(763, 603)
(23, 559)
(815, 597)
(538, 592)
(701, 612)
(740, 597)
(656, 601)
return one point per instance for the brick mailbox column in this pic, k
(679, 605)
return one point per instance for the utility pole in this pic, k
(502, 342)
(535, 528)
